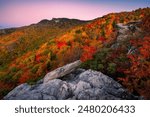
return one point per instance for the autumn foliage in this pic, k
(131, 69)
(139, 70)
(27, 54)
(137, 76)
(61, 44)
(88, 53)
(146, 23)
(102, 39)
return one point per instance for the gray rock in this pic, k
(95, 94)
(122, 26)
(64, 91)
(81, 86)
(48, 97)
(21, 89)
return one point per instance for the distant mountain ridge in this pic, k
(60, 20)
(55, 22)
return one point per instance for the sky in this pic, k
(15, 13)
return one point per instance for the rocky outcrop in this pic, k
(80, 84)
(126, 32)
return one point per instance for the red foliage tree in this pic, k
(24, 77)
(61, 44)
(37, 58)
(102, 39)
(88, 53)
(137, 75)
(89, 26)
(146, 23)
(140, 62)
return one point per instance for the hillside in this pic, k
(28, 53)
(127, 57)
(14, 41)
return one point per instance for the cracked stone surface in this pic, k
(126, 32)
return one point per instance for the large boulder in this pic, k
(62, 71)
(79, 85)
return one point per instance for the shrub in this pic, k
(111, 68)
(93, 65)
(78, 31)
(14, 69)
(100, 67)
(35, 68)
(48, 65)
(17, 75)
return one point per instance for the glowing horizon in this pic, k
(25, 12)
